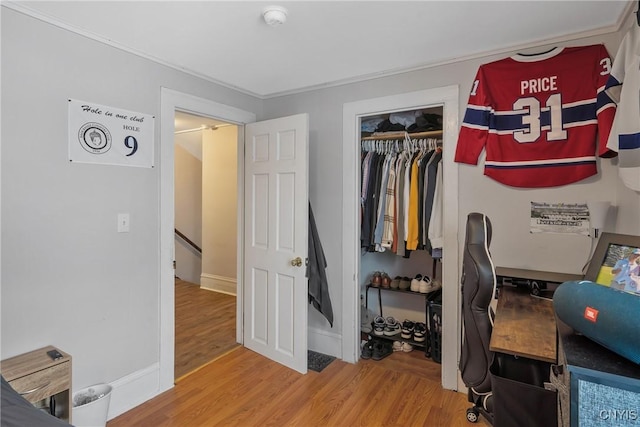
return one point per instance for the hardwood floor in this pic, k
(205, 326)
(243, 388)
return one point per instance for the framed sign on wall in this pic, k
(109, 136)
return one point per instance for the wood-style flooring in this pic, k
(205, 326)
(243, 388)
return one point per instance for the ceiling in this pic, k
(323, 43)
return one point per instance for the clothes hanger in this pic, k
(537, 53)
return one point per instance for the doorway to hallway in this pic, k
(205, 241)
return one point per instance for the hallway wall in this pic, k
(188, 211)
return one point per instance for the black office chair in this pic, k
(478, 288)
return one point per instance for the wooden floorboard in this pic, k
(205, 326)
(243, 388)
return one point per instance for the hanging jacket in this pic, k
(318, 285)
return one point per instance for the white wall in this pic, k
(188, 208)
(219, 208)
(68, 278)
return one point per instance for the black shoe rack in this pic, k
(432, 306)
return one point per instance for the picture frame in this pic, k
(611, 251)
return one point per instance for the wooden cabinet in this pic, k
(41, 380)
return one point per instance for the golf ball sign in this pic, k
(110, 136)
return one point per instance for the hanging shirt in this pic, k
(624, 88)
(436, 237)
(390, 205)
(382, 197)
(537, 116)
(430, 199)
(412, 214)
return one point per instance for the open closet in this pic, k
(358, 264)
(401, 232)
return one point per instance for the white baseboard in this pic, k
(325, 342)
(134, 389)
(225, 285)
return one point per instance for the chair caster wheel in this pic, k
(472, 415)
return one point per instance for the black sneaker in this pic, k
(392, 327)
(382, 349)
(407, 329)
(419, 332)
(378, 325)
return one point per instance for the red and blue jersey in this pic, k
(542, 119)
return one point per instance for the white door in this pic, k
(276, 244)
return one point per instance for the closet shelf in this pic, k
(400, 135)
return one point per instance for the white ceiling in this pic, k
(323, 42)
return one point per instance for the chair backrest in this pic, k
(478, 288)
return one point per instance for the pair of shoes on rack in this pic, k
(416, 331)
(388, 326)
(380, 280)
(420, 283)
(397, 345)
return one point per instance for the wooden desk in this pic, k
(524, 326)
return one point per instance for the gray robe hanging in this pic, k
(318, 286)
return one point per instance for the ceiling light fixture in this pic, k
(274, 15)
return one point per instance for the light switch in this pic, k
(123, 223)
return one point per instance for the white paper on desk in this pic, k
(562, 218)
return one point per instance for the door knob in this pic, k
(296, 262)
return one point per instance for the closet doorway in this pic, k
(448, 99)
(205, 199)
(401, 232)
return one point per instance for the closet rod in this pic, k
(400, 135)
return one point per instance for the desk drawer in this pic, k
(42, 384)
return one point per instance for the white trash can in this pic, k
(91, 406)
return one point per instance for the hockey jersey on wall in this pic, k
(624, 88)
(538, 117)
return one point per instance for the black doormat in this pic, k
(318, 361)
